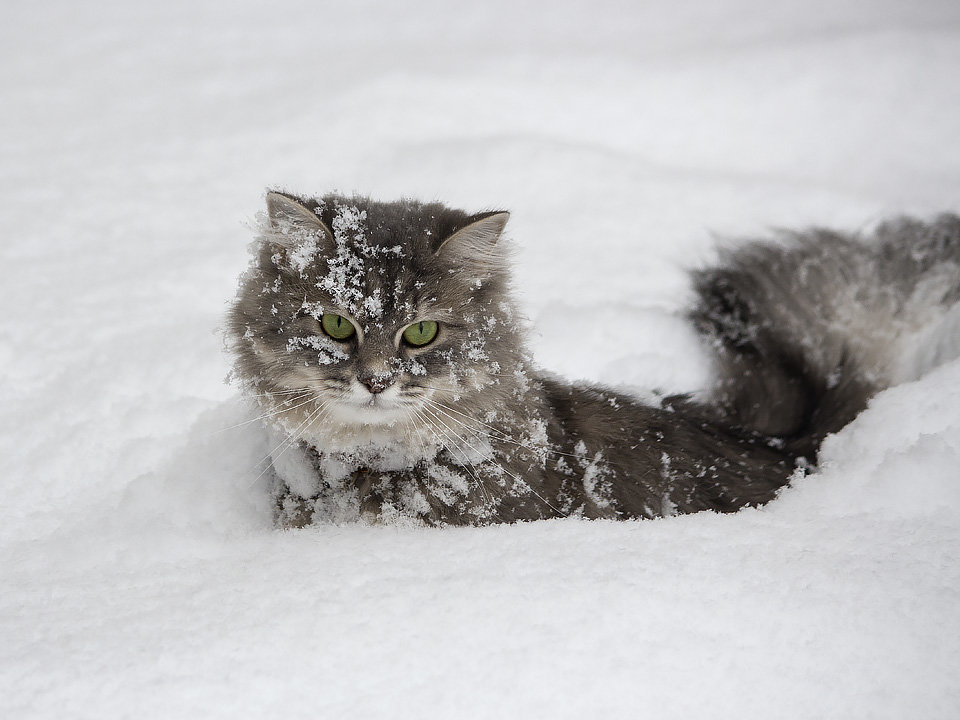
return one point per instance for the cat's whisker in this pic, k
(498, 434)
(427, 426)
(275, 393)
(536, 451)
(440, 420)
(323, 416)
(483, 485)
(526, 485)
(297, 434)
(269, 454)
(493, 432)
(264, 416)
(325, 408)
(287, 442)
(472, 469)
(411, 423)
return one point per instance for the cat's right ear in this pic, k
(291, 222)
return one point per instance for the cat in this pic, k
(385, 348)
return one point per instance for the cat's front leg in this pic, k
(291, 510)
(298, 480)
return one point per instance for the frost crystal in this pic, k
(313, 309)
(538, 440)
(595, 484)
(344, 279)
(347, 268)
(304, 254)
(373, 306)
(328, 351)
(449, 486)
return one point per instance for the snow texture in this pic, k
(140, 575)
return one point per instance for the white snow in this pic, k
(139, 574)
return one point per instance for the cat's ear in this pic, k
(291, 222)
(474, 246)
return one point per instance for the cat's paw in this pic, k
(293, 511)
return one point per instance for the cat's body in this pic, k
(428, 407)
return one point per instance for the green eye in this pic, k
(421, 333)
(337, 326)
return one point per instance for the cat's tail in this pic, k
(809, 326)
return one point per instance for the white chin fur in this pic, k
(363, 408)
(360, 422)
(372, 439)
(375, 414)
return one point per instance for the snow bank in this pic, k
(139, 572)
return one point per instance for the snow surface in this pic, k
(139, 575)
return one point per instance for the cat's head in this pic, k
(357, 313)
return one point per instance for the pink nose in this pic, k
(375, 384)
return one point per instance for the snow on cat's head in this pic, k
(358, 315)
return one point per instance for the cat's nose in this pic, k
(375, 383)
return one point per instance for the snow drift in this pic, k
(140, 572)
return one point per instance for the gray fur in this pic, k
(469, 432)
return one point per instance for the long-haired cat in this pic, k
(383, 344)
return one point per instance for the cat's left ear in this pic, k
(291, 221)
(475, 245)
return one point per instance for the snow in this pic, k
(139, 572)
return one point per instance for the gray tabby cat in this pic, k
(383, 344)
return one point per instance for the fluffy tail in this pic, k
(809, 326)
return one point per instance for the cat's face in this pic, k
(358, 314)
